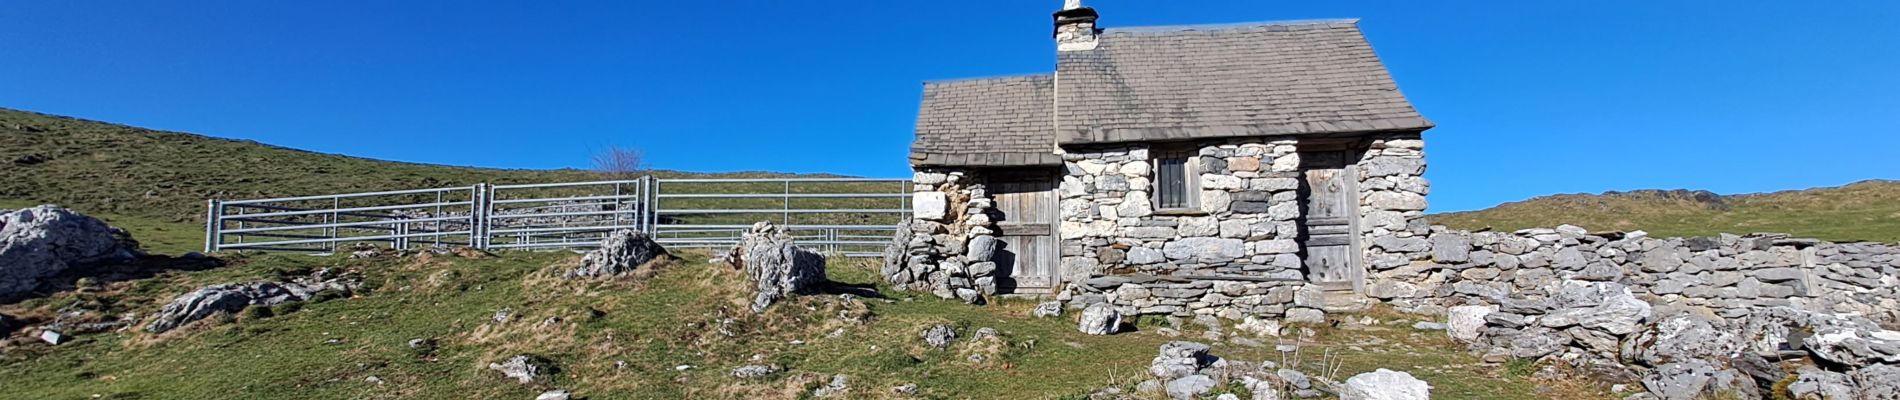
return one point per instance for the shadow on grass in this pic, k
(104, 273)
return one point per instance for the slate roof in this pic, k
(1006, 121)
(1170, 83)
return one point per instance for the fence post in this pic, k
(214, 214)
(478, 216)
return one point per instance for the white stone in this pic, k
(1215, 201)
(928, 178)
(1092, 167)
(1205, 249)
(1385, 384)
(1287, 163)
(1466, 322)
(1135, 205)
(929, 205)
(1198, 226)
(1135, 169)
(1276, 246)
(1399, 201)
(1218, 181)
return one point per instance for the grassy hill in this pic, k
(628, 339)
(101, 167)
(1868, 210)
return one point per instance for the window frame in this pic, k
(1190, 177)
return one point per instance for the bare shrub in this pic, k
(619, 163)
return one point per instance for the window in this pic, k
(1175, 180)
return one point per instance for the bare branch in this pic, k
(617, 162)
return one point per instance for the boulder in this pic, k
(1047, 309)
(777, 267)
(234, 297)
(1179, 359)
(42, 242)
(620, 254)
(555, 395)
(1385, 384)
(1100, 319)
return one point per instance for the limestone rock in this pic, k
(1179, 359)
(234, 297)
(1812, 383)
(1697, 380)
(1681, 338)
(939, 336)
(1385, 384)
(524, 368)
(1047, 309)
(929, 205)
(777, 267)
(1466, 323)
(1100, 319)
(1878, 382)
(754, 371)
(622, 253)
(42, 242)
(1189, 387)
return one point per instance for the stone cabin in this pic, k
(1253, 160)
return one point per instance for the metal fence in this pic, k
(852, 217)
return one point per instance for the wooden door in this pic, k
(1026, 259)
(1329, 203)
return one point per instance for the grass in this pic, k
(1864, 211)
(649, 328)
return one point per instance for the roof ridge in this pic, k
(989, 78)
(1334, 23)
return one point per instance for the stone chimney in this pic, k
(1075, 27)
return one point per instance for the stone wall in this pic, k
(1243, 225)
(1728, 316)
(946, 246)
(1392, 189)
(1729, 274)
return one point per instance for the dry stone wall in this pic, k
(947, 245)
(1392, 190)
(1732, 275)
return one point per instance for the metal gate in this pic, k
(852, 217)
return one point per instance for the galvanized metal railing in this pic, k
(849, 216)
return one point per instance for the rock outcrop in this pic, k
(41, 242)
(776, 265)
(234, 297)
(622, 253)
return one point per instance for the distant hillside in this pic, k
(110, 168)
(1867, 210)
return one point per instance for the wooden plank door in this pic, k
(1026, 258)
(1329, 209)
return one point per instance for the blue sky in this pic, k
(1531, 97)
